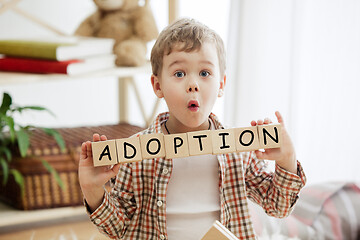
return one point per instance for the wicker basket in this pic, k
(41, 189)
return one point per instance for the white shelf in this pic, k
(9, 78)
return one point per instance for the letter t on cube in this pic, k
(200, 142)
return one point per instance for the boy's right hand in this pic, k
(92, 179)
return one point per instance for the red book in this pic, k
(70, 67)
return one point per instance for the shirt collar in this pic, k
(155, 127)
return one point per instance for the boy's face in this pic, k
(190, 82)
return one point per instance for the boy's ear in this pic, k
(155, 82)
(222, 86)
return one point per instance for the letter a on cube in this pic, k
(128, 149)
(104, 153)
(247, 139)
(152, 145)
(269, 136)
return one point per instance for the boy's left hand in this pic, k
(285, 155)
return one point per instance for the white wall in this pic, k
(326, 80)
(91, 101)
(302, 58)
(259, 60)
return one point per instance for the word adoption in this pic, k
(158, 145)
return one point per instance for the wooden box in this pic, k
(41, 190)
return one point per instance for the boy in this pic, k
(180, 198)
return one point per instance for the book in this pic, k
(70, 67)
(61, 48)
(219, 232)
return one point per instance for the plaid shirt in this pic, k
(135, 208)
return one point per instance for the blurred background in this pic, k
(299, 57)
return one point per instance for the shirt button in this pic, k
(159, 203)
(294, 184)
(97, 221)
(162, 236)
(165, 171)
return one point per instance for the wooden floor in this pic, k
(67, 223)
(83, 230)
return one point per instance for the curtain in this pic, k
(302, 58)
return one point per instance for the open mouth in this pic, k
(193, 105)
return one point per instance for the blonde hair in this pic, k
(186, 35)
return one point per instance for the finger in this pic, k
(88, 149)
(116, 168)
(253, 123)
(83, 152)
(103, 138)
(259, 154)
(279, 117)
(260, 122)
(267, 121)
(96, 137)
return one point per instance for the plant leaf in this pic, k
(7, 152)
(53, 173)
(6, 103)
(57, 136)
(19, 179)
(23, 140)
(5, 170)
(36, 108)
(11, 124)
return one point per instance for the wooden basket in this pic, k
(41, 189)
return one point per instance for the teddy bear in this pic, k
(130, 23)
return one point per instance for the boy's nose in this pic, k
(193, 87)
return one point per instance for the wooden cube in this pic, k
(269, 136)
(128, 149)
(200, 142)
(247, 139)
(176, 145)
(104, 153)
(223, 141)
(152, 145)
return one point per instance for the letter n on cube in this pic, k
(269, 136)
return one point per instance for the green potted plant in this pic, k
(15, 141)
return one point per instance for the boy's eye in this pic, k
(204, 73)
(179, 74)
